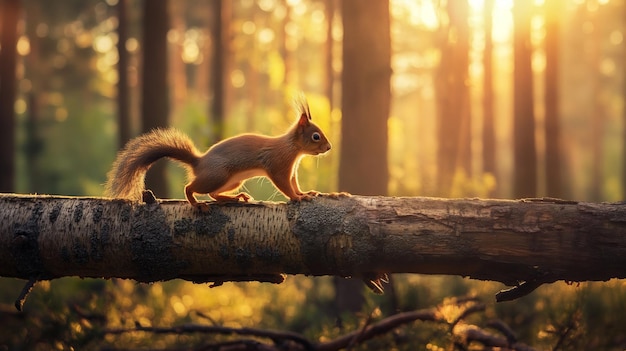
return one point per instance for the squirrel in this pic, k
(225, 165)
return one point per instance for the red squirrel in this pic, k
(225, 165)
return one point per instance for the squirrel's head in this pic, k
(309, 136)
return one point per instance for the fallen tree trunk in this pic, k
(534, 241)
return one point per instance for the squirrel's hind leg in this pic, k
(190, 197)
(232, 185)
(214, 185)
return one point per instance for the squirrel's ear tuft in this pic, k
(301, 106)
(304, 120)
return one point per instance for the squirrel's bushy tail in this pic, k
(126, 178)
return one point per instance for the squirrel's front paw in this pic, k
(303, 197)
(307, 197)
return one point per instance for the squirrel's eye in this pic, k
(316, 136)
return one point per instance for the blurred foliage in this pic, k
(67, 139)
(76, 313)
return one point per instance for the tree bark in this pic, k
(532, 240)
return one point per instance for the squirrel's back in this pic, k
(126, 178)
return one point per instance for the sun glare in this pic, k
(425, 13)
(421, 13)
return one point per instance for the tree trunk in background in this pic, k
(10, 13)
(219, 32)
(459, 11)
(524, 148)
(489, 135)
(155, 98)
(598, 115)
(251, 87)
(34, 143)
(453, 113)
(177, 69)
(554, 179)
(366, 99)
(624, 114)
(123, 91)
(328, 47)
(286, 52)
